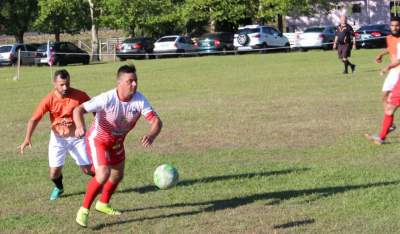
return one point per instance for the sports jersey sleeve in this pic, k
(398, 51)
(96, 104)
(84, 98)
(147, 111)
(41, 109)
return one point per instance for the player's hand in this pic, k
(334, 46)
(79, 132)
(383, 71)
(147, 141)
(378, 59)
(25, 144)
(354, 46)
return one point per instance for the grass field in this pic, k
(267, 143)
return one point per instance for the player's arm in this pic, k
(79, 120)
(32, 123)
(378, 58)
(40, 111)
(335, 42)
(155, 129)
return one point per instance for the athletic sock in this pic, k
(346, 66)
(93, 188)
(386, 124)
(58, 182)
(108, 190)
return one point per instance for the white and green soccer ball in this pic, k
(165, 176)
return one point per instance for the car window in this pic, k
(72, 47)
(274, 31)
(372, 27)
(30, 48)
(208, 36)
(20, 47)
(314, 29)
(167, 39)
(63, 47)
(42, 47)
(131, 40)
(248, 30)
(182, 40)
(5, 49)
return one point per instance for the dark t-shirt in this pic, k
(344, 33)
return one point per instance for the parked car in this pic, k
(213, 42)
(174, 44)
(372, 36)
(135, 48)
(64, 53)
(257, 37)
(317, 38)
(294, 39)
(9, 54)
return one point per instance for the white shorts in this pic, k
(59, 146)
(391, 80)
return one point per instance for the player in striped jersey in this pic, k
(117, 112)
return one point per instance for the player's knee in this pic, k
(102, 174)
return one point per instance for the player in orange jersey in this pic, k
(60, 103)
(391, 86)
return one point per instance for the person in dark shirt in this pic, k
(344, 42)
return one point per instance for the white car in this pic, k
(174, 44)
(257, 37)
(9, 54)
(317, 37)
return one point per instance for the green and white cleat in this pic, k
(106, 208)
(82, 216)
(55, 193)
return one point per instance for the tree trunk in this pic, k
(95, 38)
(57, 36)
(212, 26)
(280, 22)
(19, 37)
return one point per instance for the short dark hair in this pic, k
(126, 69)
(395, 18)
(62, 74)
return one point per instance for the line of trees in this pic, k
(143, 17)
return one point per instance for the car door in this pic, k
(23, 54)
(30, 54)
(267, 36)
(279, 39)
(76, 53)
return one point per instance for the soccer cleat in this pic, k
(392, 128)
(375, 139)
(82, 216)
(353, 68)
(106, 208)
(55, 193)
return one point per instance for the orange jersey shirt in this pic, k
(392, 46)
(60, 109)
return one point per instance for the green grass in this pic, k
(263, 143)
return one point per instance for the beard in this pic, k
(395, 34)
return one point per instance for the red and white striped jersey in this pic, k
(115, 118)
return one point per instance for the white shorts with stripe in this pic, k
(60, 146)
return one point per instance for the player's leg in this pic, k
(77, 150)
(99, 155)
(116, 175)
(57, 154)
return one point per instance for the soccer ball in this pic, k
(165, 176)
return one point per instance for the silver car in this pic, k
(9, 54)
(174, 44)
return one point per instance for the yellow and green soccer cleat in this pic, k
(82, 216)
(106, 208)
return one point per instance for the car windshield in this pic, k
(314, 30)
(132, 40)
(4, 49)
(248, 30)
(167, 39)
(372, 27)
(42, 47)
(208, 36)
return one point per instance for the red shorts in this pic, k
(394, 96)
(102, 154)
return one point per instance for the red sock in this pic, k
(386, 124)
(108, 190)
(93, 188)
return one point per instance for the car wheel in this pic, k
(181, 52)
(243, 39)
(86, 62)
(121, 59)
(302, 49)
(287, 48)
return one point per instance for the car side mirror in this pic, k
(280, 34)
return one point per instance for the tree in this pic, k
(142, 18)
(17, 16)
(216, 11)
(60, 16)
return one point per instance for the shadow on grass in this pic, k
(294, 224)
(231, 203)
(152, 188)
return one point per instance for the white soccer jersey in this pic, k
(115, 118)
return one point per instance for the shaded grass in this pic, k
(263, 143)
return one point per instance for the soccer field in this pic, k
(264, 143)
